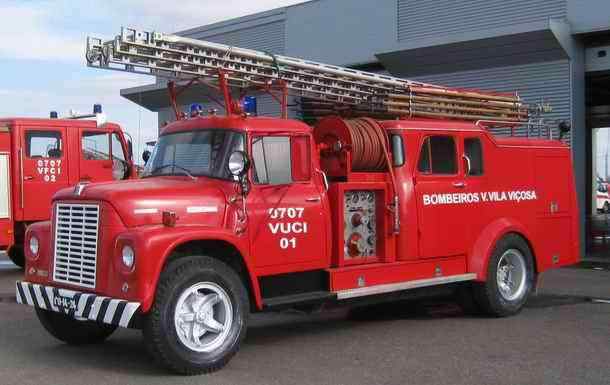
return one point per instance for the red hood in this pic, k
(142, 202)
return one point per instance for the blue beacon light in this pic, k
(196, 109)
(250, 105)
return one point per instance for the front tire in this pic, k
(17, 256)
(72, 331)
(199, 316)
(510, 278)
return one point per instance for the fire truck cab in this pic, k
(238, 214)
(39, 157)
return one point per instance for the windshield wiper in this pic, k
(185, 171)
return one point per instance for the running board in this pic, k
(391, 287)
(295, 299)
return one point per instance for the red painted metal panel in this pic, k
(383, 273)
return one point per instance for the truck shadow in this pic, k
(125, 351)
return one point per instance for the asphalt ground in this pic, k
(561, 337)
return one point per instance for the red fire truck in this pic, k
(237, 214)
(39, 157)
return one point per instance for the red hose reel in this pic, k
(351, 145)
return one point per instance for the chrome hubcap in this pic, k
(203, 317)
(512, 275)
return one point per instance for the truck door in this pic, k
(103, 156)
(287, 225)
(44, 169)
(95, 161)
(443, 207)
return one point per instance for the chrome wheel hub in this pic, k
(512, 275)
(203, 317)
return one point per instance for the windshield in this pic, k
(194, 153)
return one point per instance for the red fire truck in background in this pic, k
(39, 157)
(406, 192)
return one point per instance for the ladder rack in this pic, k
(325, 89)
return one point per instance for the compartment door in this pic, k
(554, 214)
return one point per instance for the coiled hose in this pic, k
(369, 142)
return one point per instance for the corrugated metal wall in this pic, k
(548, 81)
(426, 19)
(269, 37)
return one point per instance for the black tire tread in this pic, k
(72, 331)
(153, 333)
(17, 256)
(486, 294)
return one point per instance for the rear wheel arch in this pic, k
(221, 250)
(484, 246)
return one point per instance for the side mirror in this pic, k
(238, 163)
(145, 156)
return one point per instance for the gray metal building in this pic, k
(551, 50)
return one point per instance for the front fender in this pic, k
(478, 260)
(155, 245)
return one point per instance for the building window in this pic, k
(43, 144)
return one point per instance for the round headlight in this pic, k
(34, 245)
(129, 256)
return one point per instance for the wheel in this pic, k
(510, 278)
(71, 331)
(17, 256)
(606, 208)
(199, 316)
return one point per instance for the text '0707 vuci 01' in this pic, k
(392, 188)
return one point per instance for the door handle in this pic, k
(28, 177)
(312, 199)
(459, 184)
(85, 178)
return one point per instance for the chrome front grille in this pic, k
(76, 237)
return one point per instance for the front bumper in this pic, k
(78, 305)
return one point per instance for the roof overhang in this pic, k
(156, 96)
(519, 44)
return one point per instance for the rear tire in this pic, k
(17, 256)
(510, 278)
(199, 317)
(72, 331)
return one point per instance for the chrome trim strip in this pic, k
(388, 288)
(201, 209)
(145, 211)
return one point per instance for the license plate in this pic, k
(65, 304)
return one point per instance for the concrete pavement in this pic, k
(560, 338)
